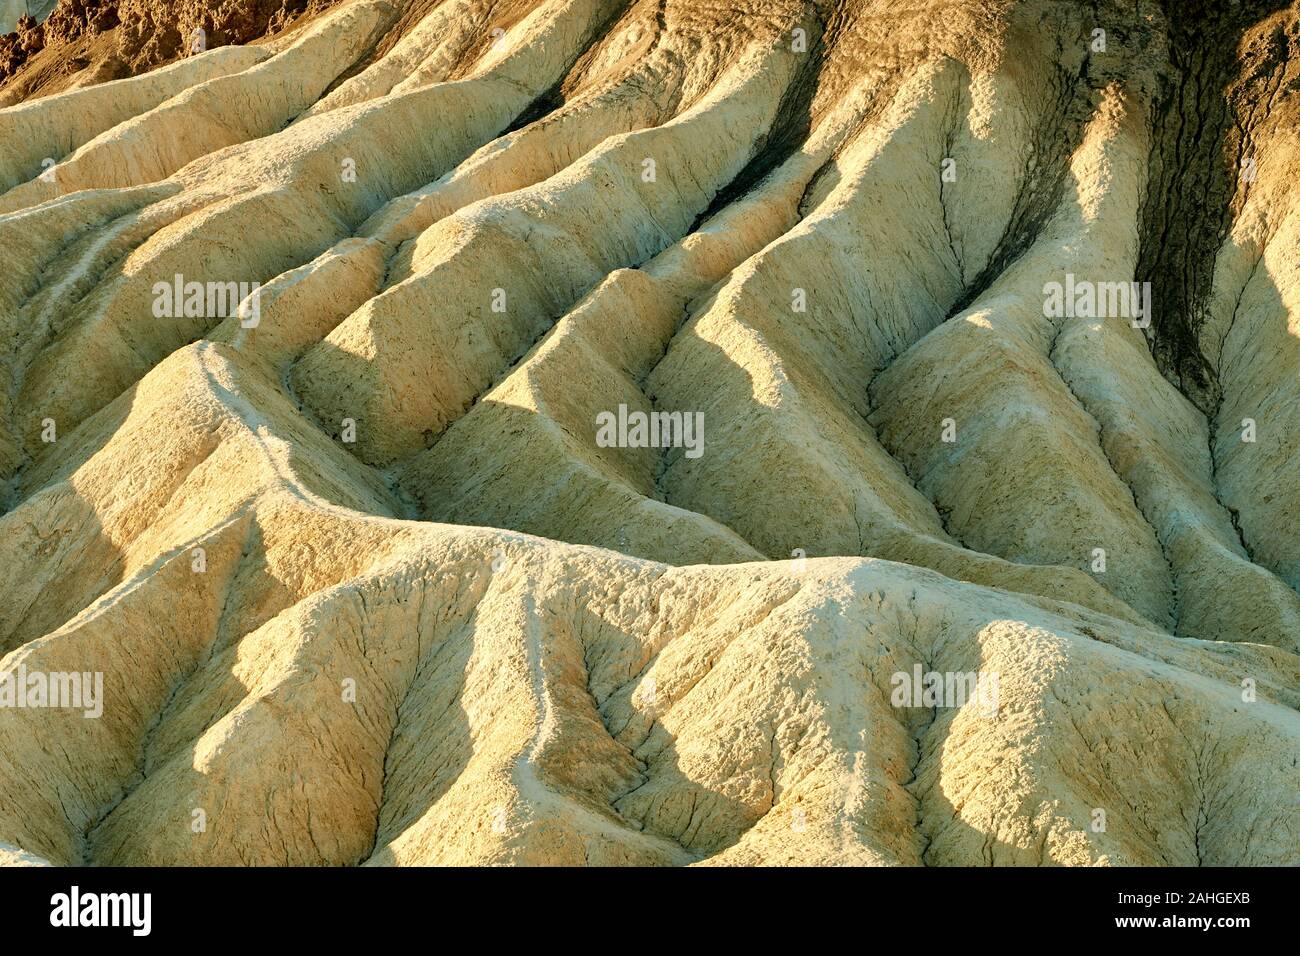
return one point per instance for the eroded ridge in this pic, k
(606, 432)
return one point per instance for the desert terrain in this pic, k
(967, 532)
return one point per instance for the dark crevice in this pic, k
(556, 97)
(794, 118)
(1057, 135)
(1200, 124)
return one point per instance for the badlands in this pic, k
(363, 587)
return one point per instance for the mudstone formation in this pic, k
(985, 550)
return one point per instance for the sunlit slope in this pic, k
(364, 584)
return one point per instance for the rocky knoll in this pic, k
(50, 47)
(968, 332)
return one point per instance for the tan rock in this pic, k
(336, 568)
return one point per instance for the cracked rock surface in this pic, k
(361, 583)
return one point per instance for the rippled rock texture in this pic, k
(605, 432)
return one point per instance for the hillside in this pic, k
(320, 349)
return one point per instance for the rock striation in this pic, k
(652, 432)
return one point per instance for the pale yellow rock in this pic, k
(363, 585)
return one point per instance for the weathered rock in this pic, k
(362, 580)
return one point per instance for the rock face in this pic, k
(11, 11)
(89, 41)
(967, 534)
